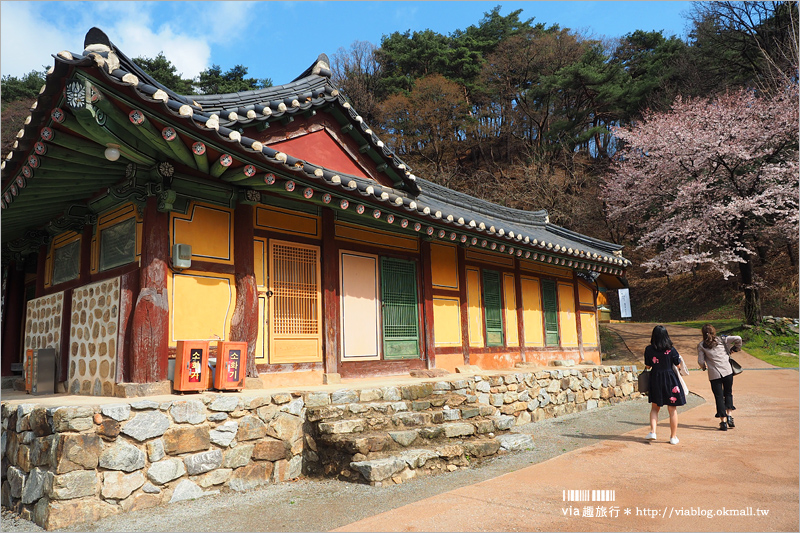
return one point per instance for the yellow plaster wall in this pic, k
(488, 257)
(207, 229)
(585, 295)
(532, 317)
(444, 266)
(474, 308)
(567, 324)
(446, 322)
(375, 237)
(512, 329)
(589, 329)
(201, 306)
(283, 220)
(544, 268)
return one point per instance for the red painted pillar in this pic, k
(578, 326)
(462, 273)
(13, 316)
(244, 323)
(330, 291)
(520, 313)
(41, 262)
(150, 335)
(427, 304)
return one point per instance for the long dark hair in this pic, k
(660, 339)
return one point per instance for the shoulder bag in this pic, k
(736, 367)
(644, 381)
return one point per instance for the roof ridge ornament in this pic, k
(97, 42)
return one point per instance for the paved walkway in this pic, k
(745, 479)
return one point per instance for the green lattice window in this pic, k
(550, 304)
(493, 307)
(399, 309)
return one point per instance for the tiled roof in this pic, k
(219, 117)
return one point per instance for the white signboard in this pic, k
(624, 303)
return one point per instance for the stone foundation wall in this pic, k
(392, 434)
(63, 465)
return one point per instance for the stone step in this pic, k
(398, 467)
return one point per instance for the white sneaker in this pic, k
(674, 440)
(650, 436)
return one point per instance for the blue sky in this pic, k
(279, 40)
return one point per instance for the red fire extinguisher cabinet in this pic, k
(191, 366)
(231, 365)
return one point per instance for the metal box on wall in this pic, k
(191, 366)
(44, 371)
(231, 365)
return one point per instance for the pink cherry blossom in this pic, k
(655, 359)
(708, 182)
(673, 399)
(675, 389)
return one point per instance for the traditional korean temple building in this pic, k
(134, 217)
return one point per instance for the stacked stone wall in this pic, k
(64, 465)
(391, 434)
(70, 464)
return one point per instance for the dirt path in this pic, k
(745, 479)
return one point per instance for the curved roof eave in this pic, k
(442, 205)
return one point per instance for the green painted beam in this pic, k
(56, 166)
(177, 148)
(65, 140)
(222, 164)
(142, 124)
(35, 197)
(103, 136)
(240, 174)
(127, 138)
(200, 157)
(120, 124)
(92, 166)
(81, 156)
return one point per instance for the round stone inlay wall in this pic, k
(43, 323)
(93, 338)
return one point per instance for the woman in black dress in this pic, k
(665, 386)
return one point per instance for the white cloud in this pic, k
(23, 50)
(190, 55)
(28, 38)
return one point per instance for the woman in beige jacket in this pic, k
(713, 354)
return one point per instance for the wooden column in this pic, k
(150, 336)
(427, 307)
(41, 262)
(578, 327)
(129, 292)
(463, 295)
(13, 317)
(85, 275)
(520, 310)
(244, 323)
(330, 292)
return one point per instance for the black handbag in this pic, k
(644, 381)
(736, 367)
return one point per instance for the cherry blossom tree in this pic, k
(708, 181)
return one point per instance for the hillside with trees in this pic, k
(536, 116)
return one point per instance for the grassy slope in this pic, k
(705, 295)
